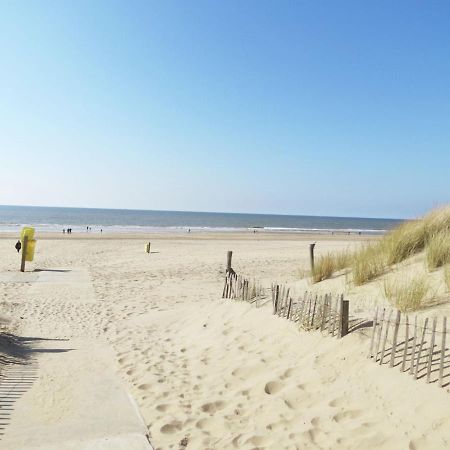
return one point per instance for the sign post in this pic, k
(24, 253)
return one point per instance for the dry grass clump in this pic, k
(438, 250)
(323, 268)
(407, 295)
(330, 263)
(403, 242)
(367, 264)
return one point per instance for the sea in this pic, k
(55, 219)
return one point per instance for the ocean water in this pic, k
(13, 218)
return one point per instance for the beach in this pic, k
(209, 373)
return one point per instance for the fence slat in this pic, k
(413, 352)
(420, 348)
(379, 334)
(441, 363)
(374, 326)
(313, 312)
(394, 339)
(405, 350)
(336, 303)
(386, 332)
(430, 353)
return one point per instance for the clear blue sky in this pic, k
(301, 107)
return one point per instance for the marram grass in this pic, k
(438, 250)
(430, 233)
(407, 295)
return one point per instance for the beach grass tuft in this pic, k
(329, 264)
(438, 250)
(407, 295)
(367, 264)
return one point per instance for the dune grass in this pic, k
(438, 250)
(430, 233)
(407, 295)
(367, 264)
(330, 263)
(323, 268)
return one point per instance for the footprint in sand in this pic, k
(346, 415)
(171, 427)
(213, 407)
(272, 387)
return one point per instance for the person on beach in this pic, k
(64, 231)
(18, 246)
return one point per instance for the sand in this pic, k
(208, 373)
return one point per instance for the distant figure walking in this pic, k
(64, 231)
(18, 246)
(101, 230)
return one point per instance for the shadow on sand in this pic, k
(18, 370)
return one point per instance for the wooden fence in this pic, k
(417, 348)
(239, 288)
(312, 312)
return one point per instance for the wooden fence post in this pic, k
(344, 317)
(311, 256)
(229, 256)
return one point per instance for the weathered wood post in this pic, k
(24, 253)
(344, 317)
(311, 256)
(229, 256)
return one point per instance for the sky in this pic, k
(286, 107)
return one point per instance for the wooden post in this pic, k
(394, 339)
(344, 317)
(386, 331)
(229, 256)
(311, 256)
(374, 327)
(413, 351)
(24, 253)
(430, 353)
(441, 363)
(379, 334)
(405, 350)
(420, 348)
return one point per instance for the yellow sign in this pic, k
(31, 243)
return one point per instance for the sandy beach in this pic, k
(208, 373)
